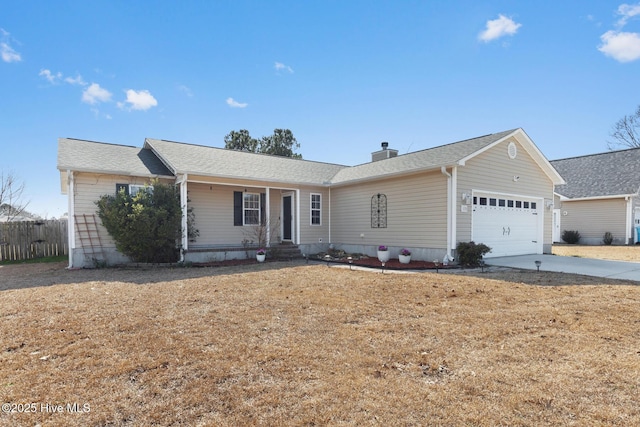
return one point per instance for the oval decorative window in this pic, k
(512, 150)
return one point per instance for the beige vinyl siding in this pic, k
(493, 171)
(87, 190)
(310, 234)
(592, 218)
(213, 210)
(416, 212)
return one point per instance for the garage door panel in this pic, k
(507, 230)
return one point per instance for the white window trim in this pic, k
(245, 209)
(311, 209)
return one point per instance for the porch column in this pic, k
(182, 181)
(267, 214)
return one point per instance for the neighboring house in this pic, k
(496, 189)
(8, 214)
(600, 195)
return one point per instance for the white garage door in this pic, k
(509, 225)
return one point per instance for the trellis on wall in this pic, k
(379, 211)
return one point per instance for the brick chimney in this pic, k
(384, 153)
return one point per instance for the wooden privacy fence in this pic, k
(24, 240)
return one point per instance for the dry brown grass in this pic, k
(618, 253)
(285, 344)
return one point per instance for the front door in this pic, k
(287, 218)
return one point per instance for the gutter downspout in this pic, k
(297, 242)
(630, 224)
(330, 241)
(71, 222)
(454, 210)
(182, 181)
(443, 170)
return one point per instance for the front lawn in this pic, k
(291, 344)
(616, 253)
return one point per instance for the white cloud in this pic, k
(138, 100)
(186, 90)
(6, 51)
(49, 76)
(621, 46)
(279, 66)
(500, 27)
(235, 104)
(77, 80)
(627, 11)
(94, 94)
(8, 54)
(55, 78)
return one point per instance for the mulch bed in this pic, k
(369, 262)
(392, 264)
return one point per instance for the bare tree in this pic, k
(11, 193)
(626, 132)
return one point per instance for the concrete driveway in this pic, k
(587, 266)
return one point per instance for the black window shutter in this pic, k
(122, 186)
(263, 197)
(237, 208)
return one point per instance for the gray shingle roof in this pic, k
(210, 161)
(598, 175)
(431, 158)
(89, 156)
(180, 158)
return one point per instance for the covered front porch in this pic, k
(230, 219)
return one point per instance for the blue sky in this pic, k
(342, 75)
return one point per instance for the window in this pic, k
(251, 209)
(248, 208)
(483, 201)
(509, 203)
(533, 205)
(518, 204)
(492, 202)
(501, 202)
(526, 205)
(133, 189)
(316, 209)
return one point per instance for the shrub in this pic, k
(147, 227)
(405, 252)
(607, 239)
(571, 236)
(470, 254)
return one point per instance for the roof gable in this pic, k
(600, 175)
(449, 155)
(89, 156)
